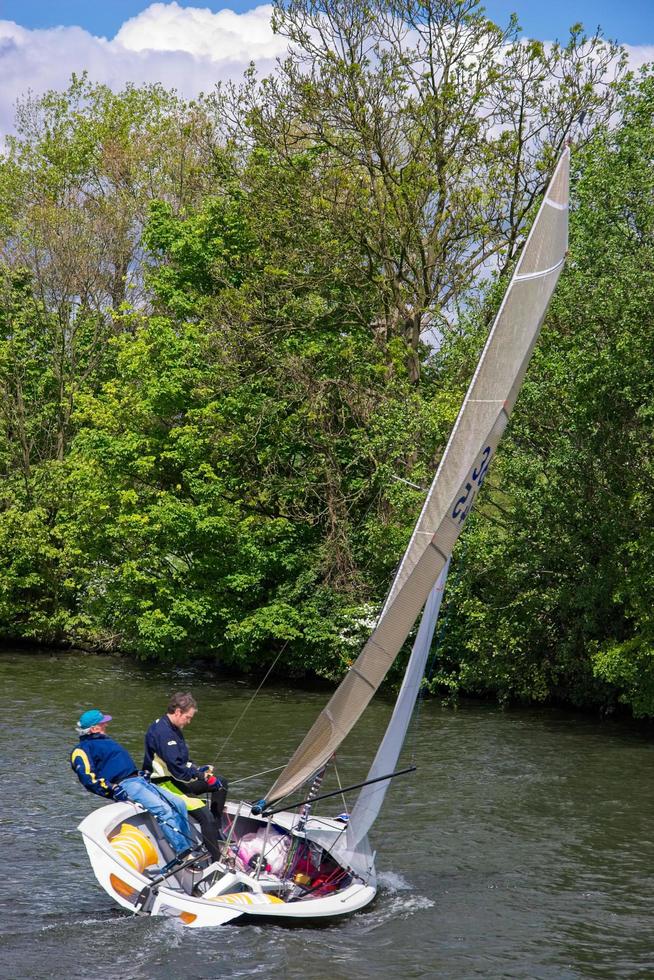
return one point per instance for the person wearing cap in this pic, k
(105, 768)
(167, 758)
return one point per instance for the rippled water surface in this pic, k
(522, 847)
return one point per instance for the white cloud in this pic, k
(189, 49)
(219, 36)
(639, 54)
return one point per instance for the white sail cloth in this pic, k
(371, 797)
(478, 429)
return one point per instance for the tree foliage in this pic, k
(436, 130)
(556, 575)
(229, 325)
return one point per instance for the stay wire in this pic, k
(264, 772)
(346, 809)
(166, 823)
(247, 706)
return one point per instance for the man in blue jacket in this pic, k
(167, 756)
(107, 769)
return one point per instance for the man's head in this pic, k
(92, 722)
(181, 709)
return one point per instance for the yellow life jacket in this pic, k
(161, 777)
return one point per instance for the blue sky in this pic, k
(630, 21)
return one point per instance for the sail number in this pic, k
(463, 505)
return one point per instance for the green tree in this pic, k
(555, 594)
(75, 187)
(435, 132)
(263, 410)
(75, 184)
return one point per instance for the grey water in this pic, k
(521, 847)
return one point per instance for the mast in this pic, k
(479, 427)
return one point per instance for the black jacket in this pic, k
(167, 741)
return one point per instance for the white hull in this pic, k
(230, 893)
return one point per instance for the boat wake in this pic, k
(396, 899)
(389, 881)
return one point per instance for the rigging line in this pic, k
(265, 808)
(166, 823)
(414, 486)
(247, 706)
(328, 823)
(269, 847)
(264, 772)
(263, 849)
(340, 786)
(291, 792)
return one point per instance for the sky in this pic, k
(191, 45)
(630, 21)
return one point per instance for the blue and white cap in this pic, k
(90, 718)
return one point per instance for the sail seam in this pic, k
(353, 670)
(441, 553)
(540, 273)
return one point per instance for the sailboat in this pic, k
(286, 863)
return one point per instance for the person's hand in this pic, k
(119, 794)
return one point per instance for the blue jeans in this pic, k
(169, 809)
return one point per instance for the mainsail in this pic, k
(477, 431)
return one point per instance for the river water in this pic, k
(522, 846)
